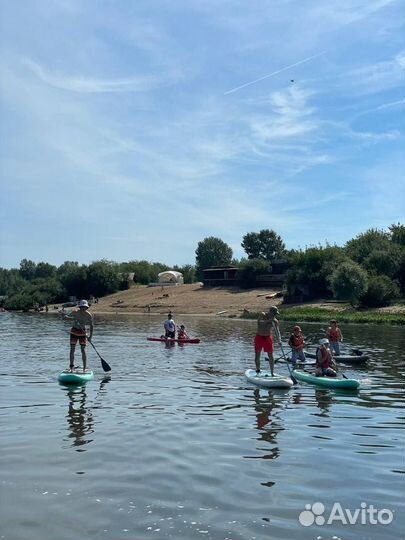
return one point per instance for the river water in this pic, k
(175, 443)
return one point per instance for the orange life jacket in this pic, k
(297, 342)
(326, 361)
(333, 335)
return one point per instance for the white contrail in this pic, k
(274, 73)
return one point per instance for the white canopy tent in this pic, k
(171, 276)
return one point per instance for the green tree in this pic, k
(380, 291)
(212, 252)
(45, 270)
(310, 270)
(144, 271)
(398, 234)
(74, 279)
(103, 278)
(349, 281)
(11, 281)
(249, 269)
(27, 269)
(266, 244)
(360, 248)
(385, 261)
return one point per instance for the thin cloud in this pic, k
(90, 85)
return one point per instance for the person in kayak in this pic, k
(80, 319)
(334, 335)
(267, 325)
(170, 327)
(297, 344)
(181, 334)
(325, 365)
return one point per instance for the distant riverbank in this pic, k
(233, 302)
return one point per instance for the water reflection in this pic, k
(80, 418)
(324, 400)
(266, 422)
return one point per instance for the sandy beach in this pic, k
(187, 299)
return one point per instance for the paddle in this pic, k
(104, 364)
(294, 380)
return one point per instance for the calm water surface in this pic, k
(175, 443)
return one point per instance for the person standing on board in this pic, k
(297, 344)
(80, 319)
(325, 365)
(267, 325)
(334, 336)
(170, 327)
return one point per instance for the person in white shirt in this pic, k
(170, 327)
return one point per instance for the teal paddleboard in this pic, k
(329, 382)
(78, 376)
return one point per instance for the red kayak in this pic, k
(173, 340)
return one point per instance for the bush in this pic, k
(19, 302)
(381, 290)
(349, 281)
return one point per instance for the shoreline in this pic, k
(192, 300)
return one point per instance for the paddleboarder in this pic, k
(170, 327)
(267, 325)
(325, 365)
(81, 318)
(334, 335)
(297, 344)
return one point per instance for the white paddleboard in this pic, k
(264, 378)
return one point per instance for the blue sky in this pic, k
(135, 129)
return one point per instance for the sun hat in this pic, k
(83, 303)
(323, 341)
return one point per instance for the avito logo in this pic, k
(366, 514)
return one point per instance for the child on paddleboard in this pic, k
(297, 344)
(334, 335)
(181, 334)
(80, 319)
(325, 365)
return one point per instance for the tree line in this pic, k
(369, 270)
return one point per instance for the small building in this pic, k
(217, 276)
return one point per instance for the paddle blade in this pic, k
(104, 365)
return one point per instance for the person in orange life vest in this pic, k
(334, 336)
(325, 365)
(267, 324)
(181, 334)
(297, 343)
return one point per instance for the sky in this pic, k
(133, 130)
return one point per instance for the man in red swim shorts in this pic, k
(267, 324)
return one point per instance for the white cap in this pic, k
(323, 341)
(83, 303)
